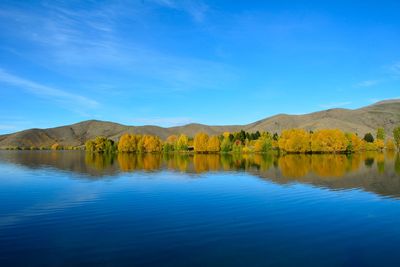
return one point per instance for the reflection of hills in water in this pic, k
(370, 171)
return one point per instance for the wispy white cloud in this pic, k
(46, 91)
(395, 68)
(335, 105)
(89, 41)
(7, 127)
(367, 83)
(196, 9)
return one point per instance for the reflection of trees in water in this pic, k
(380, 162)
(131, 162)
(290, 165)
(397, 164)
(328, 165)
(295, 165)
(198, 163)
(99, 161)
(369, 162)
(204, 163)
(329, 170)
(390, 154)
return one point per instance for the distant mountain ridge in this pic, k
(384, 114)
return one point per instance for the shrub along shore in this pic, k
(289, 141)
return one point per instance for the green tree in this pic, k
(396, 136)
(101, 145)
(182, 143)
(380, 134)
(226, 145)
(264, 143)
(237, 147)
(368, 137)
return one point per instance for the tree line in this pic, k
(289, 141)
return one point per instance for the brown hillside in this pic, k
(382, 114)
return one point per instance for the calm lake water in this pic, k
(68, 208)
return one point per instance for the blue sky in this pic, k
(169, 62)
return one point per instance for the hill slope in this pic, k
(382, 114)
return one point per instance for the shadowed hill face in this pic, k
(384, 114)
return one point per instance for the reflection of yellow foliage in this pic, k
(354, 161)
(99, 161)
(329, 165)
(263, 161)
(200, 163)
(204, 162)
(226, 161)
(127, 162)
(182, 162)
(213, 162)
(290, 165)
(151, 162)
(390, 154)
(380, 162)
(294, 165)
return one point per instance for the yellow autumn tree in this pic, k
(226, 134)
(390, 144)
(127, 143)
(170, 144)
(294, 141)
(213, 144)
(56, 146)
(182, 143)
(263, 144)
(354, 142)
(328, 140)
(151, 143)
(380, 144)
(200, 142)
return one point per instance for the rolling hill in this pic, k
(384, 114)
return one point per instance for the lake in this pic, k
(69, 208)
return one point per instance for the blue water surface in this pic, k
(56, 217)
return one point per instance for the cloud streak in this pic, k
(367, 83)
(88, 41)
(395, 68)
(46, 91)
(196, 9)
